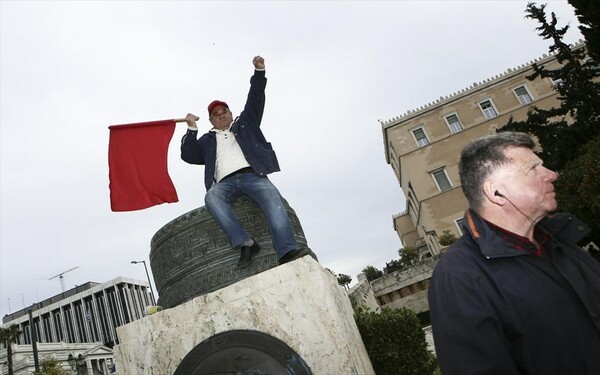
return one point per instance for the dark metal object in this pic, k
(242, 352)
(191, 256)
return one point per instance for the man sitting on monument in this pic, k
(237, 160)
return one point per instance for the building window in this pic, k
(454, 123)
(393, 153)
(523, 95)
(441, 179)
(423, 252)
(487, 107)
(411, 192)
(458, 222)
(412, 212)
(420, 137)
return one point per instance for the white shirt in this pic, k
(230, 157)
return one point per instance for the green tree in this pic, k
(588, 15)
(395, 342)
(392, 265)
(372, 273)
(563, 129)
(408, 255)
(8, 336)
(447, 238)
(578, 188)
(51, 366)
(344, 280)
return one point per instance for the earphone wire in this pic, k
(535, 224)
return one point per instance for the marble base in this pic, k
(299, 303)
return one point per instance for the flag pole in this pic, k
(179, 120)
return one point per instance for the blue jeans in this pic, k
(220, 196)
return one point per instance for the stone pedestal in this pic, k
(299, 304)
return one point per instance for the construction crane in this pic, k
(62, 279)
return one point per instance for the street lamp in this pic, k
(147, 275)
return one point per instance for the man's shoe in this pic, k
(246, 254)
(295, 254)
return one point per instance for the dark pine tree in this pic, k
(588, 15)
(564, 129)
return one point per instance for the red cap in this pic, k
(215, 103)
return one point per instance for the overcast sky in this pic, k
(70, 69)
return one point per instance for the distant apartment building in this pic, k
(423, 146)
(88, 313)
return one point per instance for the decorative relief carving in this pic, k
(191, 256)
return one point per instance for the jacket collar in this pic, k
(490, 243)
(563, 228)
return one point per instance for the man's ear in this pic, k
(490, 189)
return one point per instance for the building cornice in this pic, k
(68, 296)
(476, 86)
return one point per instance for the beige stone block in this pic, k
(299, 303)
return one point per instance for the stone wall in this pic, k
(407, 287)
(362, 295)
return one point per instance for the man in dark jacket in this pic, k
(237, 160)
(515, 294)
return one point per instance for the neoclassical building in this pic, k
(80, 358)
(82, 320)
(422, 146)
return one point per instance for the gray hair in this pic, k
(481, 157)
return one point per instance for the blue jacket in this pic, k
(258, 152)
(498, 310)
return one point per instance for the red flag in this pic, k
(137, 162)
